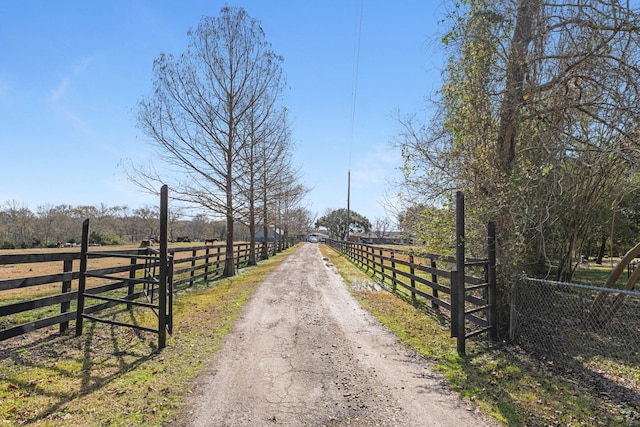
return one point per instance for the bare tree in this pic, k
(274, 165)
(381, 226)
(147, 222)
(201, 100)
(17, 223)
(56, 223)
(263, 142)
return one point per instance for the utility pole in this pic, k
(348, 203)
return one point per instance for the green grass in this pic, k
(116, 376)
(597, 275)
(511, 385)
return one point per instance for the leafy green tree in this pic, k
(537, 125)
(105, 238)
(340, 222)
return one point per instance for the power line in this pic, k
(354, 93)
(354, 90)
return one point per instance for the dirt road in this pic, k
(304, 353)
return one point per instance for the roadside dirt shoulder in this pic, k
(304, 353)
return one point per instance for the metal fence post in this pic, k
(218, 260)
(131, 287)
(454, 302)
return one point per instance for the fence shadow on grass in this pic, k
(68, 366)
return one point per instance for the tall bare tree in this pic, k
(200, 102)
(263, 129)
(275, 165)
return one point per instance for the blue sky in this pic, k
(72, 73)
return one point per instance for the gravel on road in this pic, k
(305, 353)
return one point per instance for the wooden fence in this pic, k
(127, 278)
(463, 289)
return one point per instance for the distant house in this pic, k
(390, 238)
(271, 236)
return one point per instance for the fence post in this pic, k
(460, 282)
(82, 279)
(434, 279)
(381, 266)
(66, 287)
(164, 270)
(412, 271)
(206, 264)
(393, 272)
(492, 297)
(218, 260)
(367, 259)
(192, 274)
(170, 295)
(454, 302)
(131, 286)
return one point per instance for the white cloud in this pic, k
(58, 93)
(376, 166)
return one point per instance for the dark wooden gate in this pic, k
(156, 280)
(469, 295)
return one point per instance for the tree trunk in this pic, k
(229, 264)
(265, 223)
(514, 86)
(603, 247)
(265, 242)
(252, 234)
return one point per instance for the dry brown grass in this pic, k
(14, 271)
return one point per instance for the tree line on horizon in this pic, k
(48, 225)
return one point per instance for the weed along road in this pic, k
(304, 353)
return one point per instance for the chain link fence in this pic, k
(587, 334)
(567, 321)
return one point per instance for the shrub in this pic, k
(8, 244)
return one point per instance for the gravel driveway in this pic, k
(304, 353)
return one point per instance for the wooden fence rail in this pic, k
(465, 288)
(118, 283)
(428, 279)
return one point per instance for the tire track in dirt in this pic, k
(304, 353)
